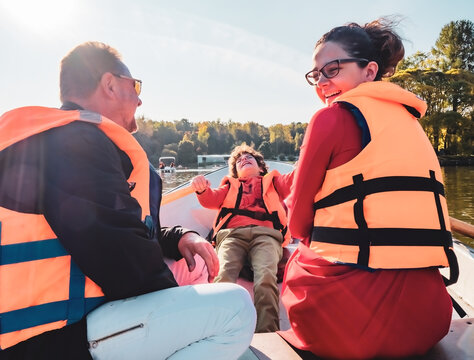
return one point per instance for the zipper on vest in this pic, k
(94, 343)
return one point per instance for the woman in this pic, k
(363, 282)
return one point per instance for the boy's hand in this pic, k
(199, 184)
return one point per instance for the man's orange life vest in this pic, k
(274, 210)
(41, 288)
(385, 209)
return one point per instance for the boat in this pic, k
(458, 344)
(166, 164)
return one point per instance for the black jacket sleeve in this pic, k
(168, 237)
(76, 177)
(88, 204)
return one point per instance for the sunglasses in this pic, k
(330, 70)
(137, 83)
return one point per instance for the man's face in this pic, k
(126, 101)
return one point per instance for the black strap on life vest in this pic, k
(211, 237)
(382, 236)
(412, 111)
(448, 249)
(382, 184)
(364, 242)
(258, 215)
(364, 238)
(236, 205)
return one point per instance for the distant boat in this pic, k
(166, 164)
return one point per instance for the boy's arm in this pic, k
(283, 183)
(207, 197)
(213, 198)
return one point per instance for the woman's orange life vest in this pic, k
(385, 208)
(275, 212)
(41, 288)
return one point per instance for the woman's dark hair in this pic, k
(375, 41)
(245, 149)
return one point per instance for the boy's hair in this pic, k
(245, 149)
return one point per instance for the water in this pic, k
(171, 180)
(459, 181)
(459, 186)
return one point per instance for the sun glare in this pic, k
(42, 16)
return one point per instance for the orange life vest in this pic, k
(274, 210)
(385, 209)
(41, 288)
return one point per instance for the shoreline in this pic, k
(456, 160)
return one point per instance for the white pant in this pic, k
(206, 321)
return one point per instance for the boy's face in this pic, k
(247, 166)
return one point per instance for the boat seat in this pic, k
(267, 346)
(458, 344)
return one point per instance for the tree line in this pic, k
(443, 77)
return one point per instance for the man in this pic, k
(82, 274)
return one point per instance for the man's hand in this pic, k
(199, 184)
(191, 244)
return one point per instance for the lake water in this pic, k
(459, 181)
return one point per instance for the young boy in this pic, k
(251, 224)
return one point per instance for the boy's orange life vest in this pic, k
(275, 212)
(41, 288)
(386, 208)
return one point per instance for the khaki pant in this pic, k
(262, 247)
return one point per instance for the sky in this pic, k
(201, 60)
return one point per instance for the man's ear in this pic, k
(108, 83)
(371, 70)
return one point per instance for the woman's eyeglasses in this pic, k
(137, 83)
(330, 70)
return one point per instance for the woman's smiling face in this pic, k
(349, 76)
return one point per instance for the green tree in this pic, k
(169, 152)
(419, 60)
(454, 48)
(258, 133)
(265, 149)
(460, 90)
(171, 147)
(203, 133)
(298, 142)
(220, 139)
(144, 136)
(186, 154)
(184, 125)
(280, 139)
(445, 80)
